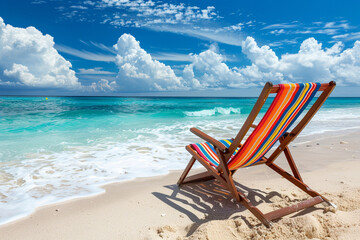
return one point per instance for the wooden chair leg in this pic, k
(226, 174)
(232, 188)
(297, 182)
(292, 164)
(254, 210)
(186, 171)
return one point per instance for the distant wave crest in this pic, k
(213, 112)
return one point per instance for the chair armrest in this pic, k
(209, 139)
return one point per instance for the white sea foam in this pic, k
(336, 119)
(213, 112)
(48, 177)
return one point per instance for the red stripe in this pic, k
(268, 114)
(274, 123)
(198, 150)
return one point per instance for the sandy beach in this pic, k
(103, 103)
(155, 208)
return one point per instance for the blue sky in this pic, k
(176, 48)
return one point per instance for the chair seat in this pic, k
(207, 151)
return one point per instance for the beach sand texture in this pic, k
(155, 208)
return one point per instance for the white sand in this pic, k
(155, 208)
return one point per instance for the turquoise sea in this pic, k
(66, 147)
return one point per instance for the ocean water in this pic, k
(66, 147)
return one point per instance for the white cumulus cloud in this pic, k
(311, 63)
(28, 58)
(208, 70)
(103, 85)
(138, 71)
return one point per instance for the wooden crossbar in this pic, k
(323, 86)
(204, 176)
(294, 208)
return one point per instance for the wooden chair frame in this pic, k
(224, 175)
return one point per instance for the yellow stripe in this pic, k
(273, 118)
(280, 126)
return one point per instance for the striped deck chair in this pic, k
(223, 158)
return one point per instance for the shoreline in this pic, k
(301, 140)
(150, 198)
(69, 150)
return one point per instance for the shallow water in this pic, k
(65, 147)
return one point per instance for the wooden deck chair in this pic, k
(223, 158)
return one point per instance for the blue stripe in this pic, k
(305, 105)
(276, 125)
(205, 154)
(296, 97)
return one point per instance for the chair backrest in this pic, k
(288, 104)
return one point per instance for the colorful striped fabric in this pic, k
(207, 151)
(286, 107)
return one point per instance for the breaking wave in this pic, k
(213, 112)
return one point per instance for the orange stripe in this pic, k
(284, 96)
(274, 135)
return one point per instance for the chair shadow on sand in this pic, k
(211, 199)
(215, 202)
